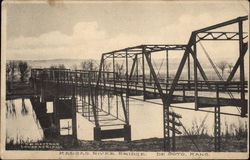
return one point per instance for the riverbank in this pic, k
(183, 144)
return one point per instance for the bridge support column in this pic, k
(217, 127)
(56, 122)
(42, 90)
(173, 134)
(127, 132)
(166, 128)
(74, 120)
(97, 133)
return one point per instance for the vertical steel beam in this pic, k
(114, 77)
(56, 115)
(127, 89)
(83, 99)
(117, 106)
(137, 74)
(217, 128)
(184, 92)
(150, 74)
(108, 95)
(195, 78)
(74, 112)
(242, 72)
(81, 75)
(189, 74)
(103, 75)
(167, 72)
(133, 67)
(43, 88)
(143, 72)
(101, 96)
(127, 78)
(127, 107)
(173, 133)
(89, 103)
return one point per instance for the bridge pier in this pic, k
(124, 132)
(64, 109)
(97, 133)
(45, 119)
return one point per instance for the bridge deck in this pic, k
(183, 94)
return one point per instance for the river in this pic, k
(146, 120)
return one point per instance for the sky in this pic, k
(85, 30)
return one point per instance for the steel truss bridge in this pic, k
(140, 77)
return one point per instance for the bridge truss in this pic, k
(139, 76)
(166, 92)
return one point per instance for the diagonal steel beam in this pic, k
(203, 74)
(157, 83)
(238, 62)
(179, 70)
(133, 67)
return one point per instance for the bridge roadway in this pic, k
(184, 89)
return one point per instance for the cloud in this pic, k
(89, 40)
(56, 44)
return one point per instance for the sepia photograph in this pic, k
(108, 79)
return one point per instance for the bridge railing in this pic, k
(110, 79)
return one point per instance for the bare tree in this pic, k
(107, 66)
(119, 69)
(74, 67)
(23, 69)
(222, 66)
(61, 66)
(53, 67)
(89, 65)
(84, 65)
(92, 65)
(10, 73)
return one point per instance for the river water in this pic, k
(21, 122)
(146, 120)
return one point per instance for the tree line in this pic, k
(22, 67)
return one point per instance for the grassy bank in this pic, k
(183, 144)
